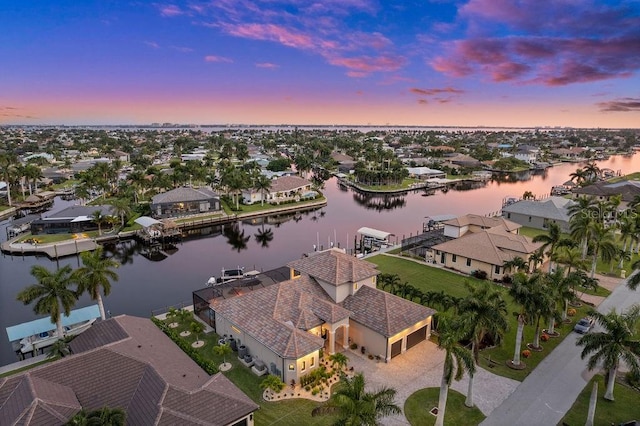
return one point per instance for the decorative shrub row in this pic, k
(205, 364)
(315, 378)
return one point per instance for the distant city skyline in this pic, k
(467, 63)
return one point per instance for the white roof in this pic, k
(375, 233)
(146, 221)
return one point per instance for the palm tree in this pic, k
(338, 359)
(103, 417)
(582, 216)
(51, 294)
(521, 291)
(561, 293)
(121, 208)
(579, 176)
(354, 406)
(551, 241)
(486, 313)
(389, 282)
(602, 245)
(8, 163)
(196, 328)
(516, 264)
(98, 218)
(95, 276)
(592, 171)
(618, 341)
(457, 359)
(222, 350)
(60, 348)
(571, 257)
(535, 258)
(262, 184)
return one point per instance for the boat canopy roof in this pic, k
(42, 325)
(146, 221)
(374, 233)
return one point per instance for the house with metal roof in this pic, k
(540, 213)
(329, 301)
(124, 362)
(184, 201)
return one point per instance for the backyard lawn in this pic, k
(290, 412)
(429, 278)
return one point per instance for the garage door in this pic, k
(416, 337)
(396, 348)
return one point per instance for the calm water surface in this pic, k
(147, 285)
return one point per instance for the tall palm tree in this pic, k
(8, 164)
(551, 241)
(516, 264)
(592, 171)
(354, 406)
(457, 359)
(52, 294)
(121, 208)
(522, 293)
(485, 311)
(618, 341)
(602, 245)
(579, 176)
(583, 214)
(98, 218)
(571, 257)
(628, 232)
(262, 184)
(560, 291)
(95, 276)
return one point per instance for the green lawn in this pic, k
(418, 405)
(626, 406)
(290, 412)
(406, 184)
(54, 238)
(257, 207)
(428, 278)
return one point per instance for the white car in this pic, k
(584, 325)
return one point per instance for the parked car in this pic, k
(584, 325)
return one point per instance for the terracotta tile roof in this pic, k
(277, 315)
(383, 312)
(133, 373)
(492, 246)
(335, 267)
(484, 222)
(288, 183)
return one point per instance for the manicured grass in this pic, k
(28, 367)
(290, 412)
(4, 207)
(199, 218)
(54, 238)
(532, 232)
(257, 207)
(417, 407)
(623, 409)
(429, 278)
(406, 184)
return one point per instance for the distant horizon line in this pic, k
(350, 126)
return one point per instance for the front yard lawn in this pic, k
(418, 405)
(625, 407)
(429, 278)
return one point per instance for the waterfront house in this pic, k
(539, 213)
(124, 362)
(184, 201)
(74, 219)
(486, 250)
(603, 191)
(471, 223)
(283, 188)
(328, 301)
(424, 173)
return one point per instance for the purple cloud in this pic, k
(267, 65)
(562, 43)
(621, 105)
(214, 58)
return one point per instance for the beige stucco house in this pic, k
(283, 188)
(329, 301)
(470, 223)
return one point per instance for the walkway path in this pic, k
(421, 367)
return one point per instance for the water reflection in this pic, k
(263, 237)
(379, 202)
(235, 237)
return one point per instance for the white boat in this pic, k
(35, 336)
(226, 276)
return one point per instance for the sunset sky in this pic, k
(406, 62)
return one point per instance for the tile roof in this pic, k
(184, 194)
(483, 221)
(493, 246)
(278, 315)
(134, 373)
(335, 267)
(288, 183)
(628, 189)
(555, 208)
(383, 312)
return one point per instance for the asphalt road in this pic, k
(545, 396)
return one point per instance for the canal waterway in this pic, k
(154, 280)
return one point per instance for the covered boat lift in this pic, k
(373, 239)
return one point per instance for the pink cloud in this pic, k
(367, 64)
(170, 10)
(268, 65)
(271, 32)
(431, 92)
(214, 58)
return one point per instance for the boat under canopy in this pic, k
(374, 233)
(44, 325)
(146, 221)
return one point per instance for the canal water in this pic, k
(154, 280)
